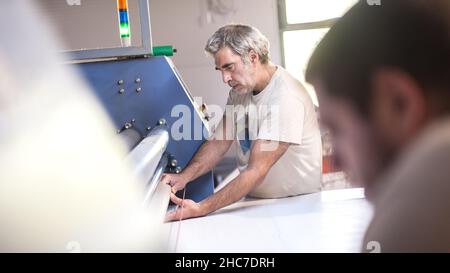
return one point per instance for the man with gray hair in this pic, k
(270, 118)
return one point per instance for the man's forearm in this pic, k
(232, 192)
(206, 158)
(259, 165)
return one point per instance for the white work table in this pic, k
(328, 221)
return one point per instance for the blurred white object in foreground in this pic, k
(64, 184)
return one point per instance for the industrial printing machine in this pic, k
(139, 87)
(137, 84)
(139, 94)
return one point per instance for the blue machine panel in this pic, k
(145, 90)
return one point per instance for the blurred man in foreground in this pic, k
(382, 74)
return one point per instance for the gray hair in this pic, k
(240, 39)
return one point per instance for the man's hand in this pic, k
(186, 209)
(176, 181)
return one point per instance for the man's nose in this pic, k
(226, 77)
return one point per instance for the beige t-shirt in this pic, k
(283, 111)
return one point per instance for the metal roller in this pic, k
(153, 183)
(146, 156)
(131, 137)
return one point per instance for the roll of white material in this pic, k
(153, 183)
(145, 157)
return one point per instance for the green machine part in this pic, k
(167, 50)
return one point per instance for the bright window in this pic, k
(303, 24)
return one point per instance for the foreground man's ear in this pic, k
(399, 107)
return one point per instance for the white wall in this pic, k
(182, 23)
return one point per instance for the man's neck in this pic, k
(265, 75)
